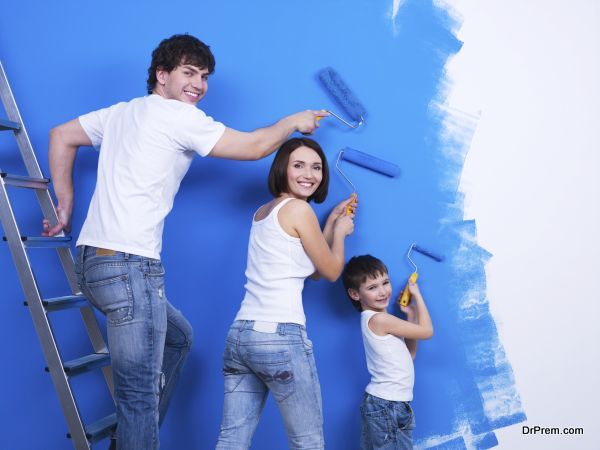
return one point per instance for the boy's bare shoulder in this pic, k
(379, 322)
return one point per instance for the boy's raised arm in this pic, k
(387, 323)
(412, 317)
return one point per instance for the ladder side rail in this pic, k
(12, 111)
(26, 149)
(47, 205)
(41, 323)
(93, 329)
(87, 314)
(66, 259)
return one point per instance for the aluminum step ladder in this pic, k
(82, 436)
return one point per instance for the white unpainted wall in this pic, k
(531, 71)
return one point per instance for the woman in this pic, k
(267, 348)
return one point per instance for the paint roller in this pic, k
(404, 299)
(368, 162)
(341, 93)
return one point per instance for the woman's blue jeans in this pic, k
(282, 362)
(386, 425)
(148, 339)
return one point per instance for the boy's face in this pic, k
(374, 294)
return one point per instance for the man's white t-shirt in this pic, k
(146, 147)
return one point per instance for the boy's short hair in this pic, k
(177, 50)
(278, 173)
(357, 270)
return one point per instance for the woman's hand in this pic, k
(344, 224)
(340, 208)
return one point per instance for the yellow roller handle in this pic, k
(319, 118)
(349, 205)
(405, 297)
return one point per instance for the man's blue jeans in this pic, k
(386, 425)
(148, 339)
(282, 362)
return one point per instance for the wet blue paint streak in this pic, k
(486, 441)
(454, 444)
(486, 398)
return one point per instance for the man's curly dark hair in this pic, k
(177, 50)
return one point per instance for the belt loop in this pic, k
(126, 256)
(282, 329)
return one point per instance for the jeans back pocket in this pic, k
(275, 370)
(113, 296)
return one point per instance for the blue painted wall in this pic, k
(65, 59)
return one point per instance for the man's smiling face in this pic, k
(185, 83)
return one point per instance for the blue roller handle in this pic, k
(370, 162)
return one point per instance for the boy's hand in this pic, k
(410, 310)
(413, 288)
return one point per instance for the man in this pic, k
(146, 147)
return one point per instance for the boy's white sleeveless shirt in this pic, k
(389, 362)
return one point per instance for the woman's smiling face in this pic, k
(304, 172)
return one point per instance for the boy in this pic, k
(390, 346)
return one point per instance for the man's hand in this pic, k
(64, 223)
(263, 141)
(65, 140)
(308, 121)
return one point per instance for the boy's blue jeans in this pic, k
(282, 362)
(148, 339)
(386, 425)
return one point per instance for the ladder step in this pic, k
(9, 125)
(45, 242)
(25, 182)
(85, 363)
(100, 429)
(66, 302)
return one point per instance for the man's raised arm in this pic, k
(262, 142)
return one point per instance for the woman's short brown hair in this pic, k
(278, 174)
